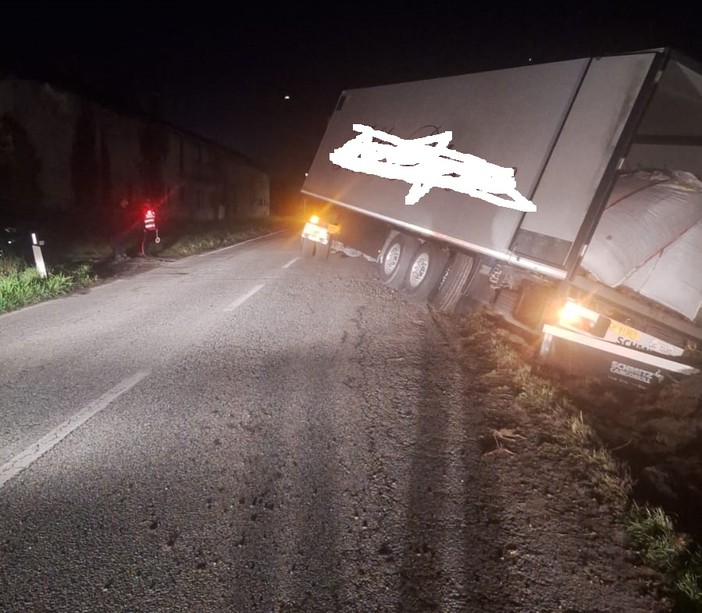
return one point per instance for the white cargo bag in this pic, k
(648, 239)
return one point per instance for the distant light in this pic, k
(286, 97)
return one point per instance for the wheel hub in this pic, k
(419, 269)
(392, 258)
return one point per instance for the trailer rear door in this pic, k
(580, 173)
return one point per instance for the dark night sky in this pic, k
(224, 72)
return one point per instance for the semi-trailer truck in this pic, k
(605, 269)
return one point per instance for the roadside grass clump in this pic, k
(507, 357)
(26, 286)
(189, 244)
(652, 532)
(82, 274)
(582, 433)
(538, 393)
(21, 285)
(610, 477)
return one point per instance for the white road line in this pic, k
(241, 299)
(291, 262)
(251, 240)
(23, 459)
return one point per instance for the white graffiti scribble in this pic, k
(427, 162)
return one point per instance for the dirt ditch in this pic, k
(658, 435)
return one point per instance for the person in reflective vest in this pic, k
(149, 226)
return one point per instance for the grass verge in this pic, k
(198, 238)
(651, 531)
(21, 285)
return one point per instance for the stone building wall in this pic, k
(63, 152)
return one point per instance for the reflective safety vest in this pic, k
(150, 220)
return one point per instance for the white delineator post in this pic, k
(38, 256)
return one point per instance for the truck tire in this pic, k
(322, 251)
(397, 258)
(425, 271)
(307, 248)
(455, 279)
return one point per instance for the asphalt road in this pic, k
(240, 431)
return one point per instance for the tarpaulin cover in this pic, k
(649, 239)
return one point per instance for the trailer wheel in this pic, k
(425, 271)
(455, 279)
(322, 251)
(397, 259)
(307, 248)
